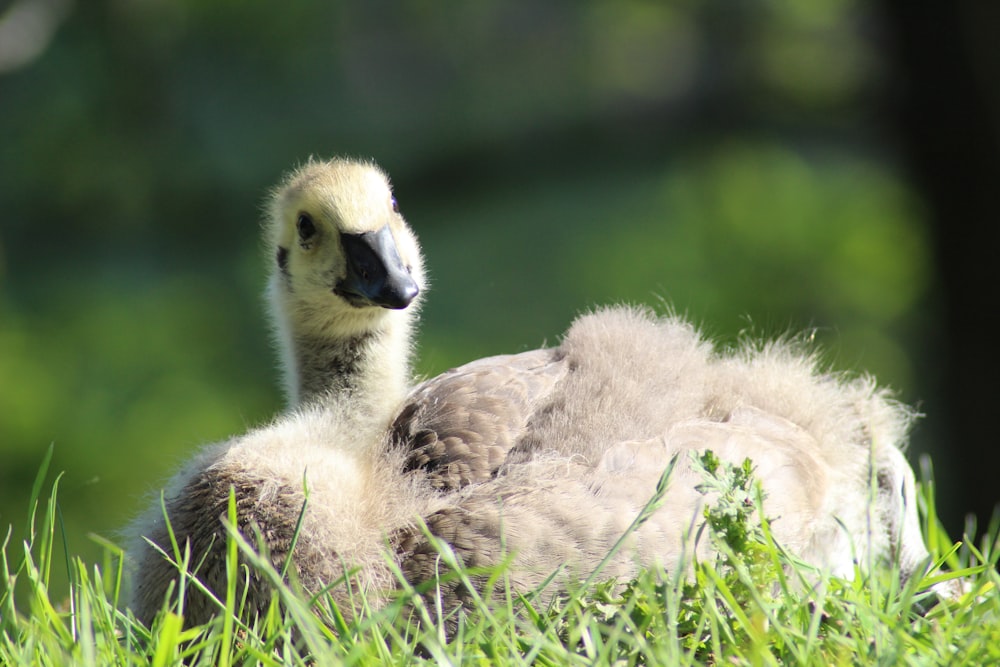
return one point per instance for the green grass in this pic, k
(752, 605)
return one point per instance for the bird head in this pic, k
(339, 243)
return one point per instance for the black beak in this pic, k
(375, 273)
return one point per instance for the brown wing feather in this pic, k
(460, 426)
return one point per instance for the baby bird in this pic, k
(546, 455)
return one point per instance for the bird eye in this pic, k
(306, 227)
(395, 205)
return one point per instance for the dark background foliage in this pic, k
(763, 167)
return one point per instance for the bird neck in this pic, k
(363, 368)
(352, 359)
(359, 366)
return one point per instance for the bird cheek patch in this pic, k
(283, 261)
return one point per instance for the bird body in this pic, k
(591, 437)
(630, 391)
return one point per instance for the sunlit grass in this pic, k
(752, 605)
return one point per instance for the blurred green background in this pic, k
(736, 161)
